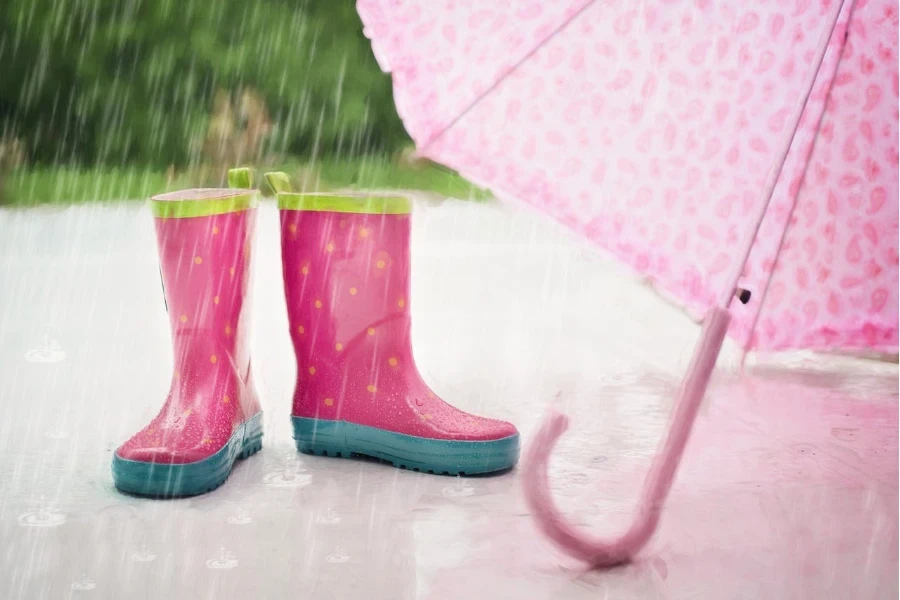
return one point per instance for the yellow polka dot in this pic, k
(380, 264)
(371, 388)
(363, 232)
(292, 228)
(318, 304)
(371, 331)
(228, 330)
(186, 413)
(392, 361)
(329, 247)
(215, 230)
(339, 346)
(427, 417)
(401, 302)
(216, 299)
(301, 329)
(213, 358)
(430, 394)
(197, 260)
(304, 269)
(183, 318)
(206, 441)
(177, 374)
(329, 401)
(312, 370)
(226, 399)
(353, 291)
(231, 271)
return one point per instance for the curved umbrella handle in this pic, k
(606, 553)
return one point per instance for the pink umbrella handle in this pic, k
(605, 553)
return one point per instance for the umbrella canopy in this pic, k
(650, 128)
(709, 145)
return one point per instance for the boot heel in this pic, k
(252, 437)
(320, 438)
(251, 448)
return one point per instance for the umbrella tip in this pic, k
(743, 295)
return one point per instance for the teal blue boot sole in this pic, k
(161, 480)
(443, 457)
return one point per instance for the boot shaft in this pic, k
(204, 239)
(346, 268)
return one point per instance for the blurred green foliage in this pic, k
(123, 82)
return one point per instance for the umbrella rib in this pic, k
(778, 164)
(784, 233)
(508, 72)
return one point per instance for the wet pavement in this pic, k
(788, 488)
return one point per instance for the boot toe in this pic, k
(485, 430)
(146, 451)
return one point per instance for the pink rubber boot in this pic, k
(211, 415)
(346, 274)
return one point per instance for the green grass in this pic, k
(32, 187)
(380, 173)
(76, 186)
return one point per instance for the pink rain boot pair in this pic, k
(346, 274)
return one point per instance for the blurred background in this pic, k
(104, 100)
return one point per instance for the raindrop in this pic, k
(338, 556)
(241, 517)
(47, 351)
(329, 517)
(292, 476)
(460, 489)
(222, 560)
(143, 554)
(57, 433)
(44, 515)
(83, 583)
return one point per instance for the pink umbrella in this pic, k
(718, 148)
